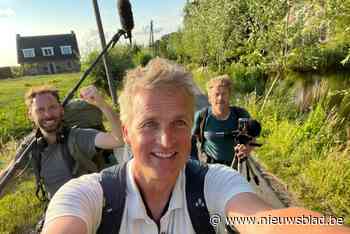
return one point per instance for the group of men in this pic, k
(159, 190)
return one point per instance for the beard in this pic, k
(50, 125)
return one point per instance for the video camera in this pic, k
(248, 129)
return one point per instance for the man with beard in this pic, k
(57, 155)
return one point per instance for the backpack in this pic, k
(81, 114)
(114, 200)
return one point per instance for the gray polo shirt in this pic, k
(54, 170)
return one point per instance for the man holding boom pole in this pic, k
(60, 153)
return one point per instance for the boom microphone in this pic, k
(126, 17)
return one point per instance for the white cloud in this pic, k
(5, 13)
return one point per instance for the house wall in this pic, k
(52, 67)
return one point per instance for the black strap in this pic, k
(66, 155)
(203, 122)
(196, 204)
(39, 145)
(113, 182)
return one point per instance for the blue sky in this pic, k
(41, 17)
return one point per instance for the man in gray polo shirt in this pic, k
(58, 153)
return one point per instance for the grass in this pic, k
(13, 118)
(19, 208)
(308, 151)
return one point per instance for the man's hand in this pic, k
(243, 151)
(104, 140)
(91, 95)
(249, 207)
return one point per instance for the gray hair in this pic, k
(223, 81)
(159, 73)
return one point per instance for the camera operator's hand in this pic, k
(243, 151)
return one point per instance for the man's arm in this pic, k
(249, 204)
(76, 207)
(104, 140)
(66, 225)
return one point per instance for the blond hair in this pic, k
(37, 90)
(159, 73)
(220, 81)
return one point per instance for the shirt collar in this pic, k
(135, 206)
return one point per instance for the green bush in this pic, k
(120, 59)
(319, 58)
(201, 76)
(16, 71)
(141, 58)
(246, 79)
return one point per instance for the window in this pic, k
(47, 51)
(28, 53)
(66, 50)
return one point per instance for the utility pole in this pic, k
(151, 39)
(112, 88)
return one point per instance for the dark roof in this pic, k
(55, 41)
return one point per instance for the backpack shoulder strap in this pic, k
(38, 147)
(115, 177)
(197, 208)
(113, 183)
(80, 160)
(203, 118)
(66, 155)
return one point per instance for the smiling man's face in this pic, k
(219, 99)
(46, 112)
(159, 132)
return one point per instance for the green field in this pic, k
(13, 119)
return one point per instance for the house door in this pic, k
(52, 68)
